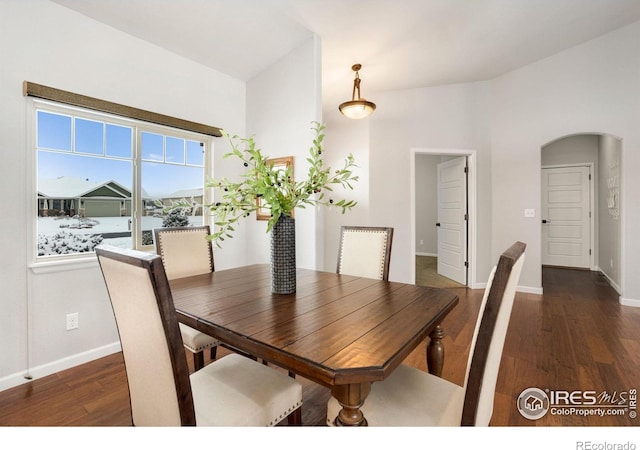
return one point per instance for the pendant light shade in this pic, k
(357, 107)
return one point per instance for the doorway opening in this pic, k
(443, 217)
(580, 209)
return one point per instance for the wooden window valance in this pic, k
(70, 98)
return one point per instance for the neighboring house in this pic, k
(68, 196)
(193, 196)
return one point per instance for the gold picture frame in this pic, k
(284, 162)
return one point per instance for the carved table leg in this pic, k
(435, 352)
(351, 397)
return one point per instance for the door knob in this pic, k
(438, 224)
(546, 221)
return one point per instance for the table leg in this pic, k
(435, 351)
(351, 397)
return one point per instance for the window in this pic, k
(105, 179)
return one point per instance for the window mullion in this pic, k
(136, 229)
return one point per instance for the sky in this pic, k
(102, 152)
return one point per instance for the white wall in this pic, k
(590, 88)
(444, 117)
(582, 148)
(344, 136)
(609, 225)
(282, 103)
(48, 44)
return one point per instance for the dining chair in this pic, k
(231, 391)
(412, 397)
(185, 251)
(365, 251)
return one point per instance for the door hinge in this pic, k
(589, 177)
(466, 169)
(466, 217)
(589, 251)
(466, 263)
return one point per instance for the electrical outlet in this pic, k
(529, 212)
(72, 321)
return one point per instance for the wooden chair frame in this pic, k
(198, 357)
(146, 404)
(153, 265)
(485, 333)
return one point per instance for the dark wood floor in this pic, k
(575, 337)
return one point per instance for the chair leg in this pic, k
(214, 351)
(295, 418)
(198, 360)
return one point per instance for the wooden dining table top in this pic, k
(335, 330)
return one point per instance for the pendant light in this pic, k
(357, 107)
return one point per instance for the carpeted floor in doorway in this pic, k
(427, 274)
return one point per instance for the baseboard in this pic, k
(623, 301)
(610, 281)
(629, 302)
(529, 290)
(435, 255)
(59, 365)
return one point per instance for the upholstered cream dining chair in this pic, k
(185, 251)
(411, 397)
(365, 251)
(231, 391)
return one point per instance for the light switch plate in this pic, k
(529, 212)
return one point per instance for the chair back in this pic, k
(156, 367)
(185, 251)
(365, 251)
(489, 337)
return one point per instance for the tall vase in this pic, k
(283, 256)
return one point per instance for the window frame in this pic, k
(138, 127)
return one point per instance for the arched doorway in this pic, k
(564, 234)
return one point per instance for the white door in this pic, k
(566, 216)
(452, 219)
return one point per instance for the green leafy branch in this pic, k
(271, 187)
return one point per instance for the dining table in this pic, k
(340, 331)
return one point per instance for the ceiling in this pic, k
(400, 43)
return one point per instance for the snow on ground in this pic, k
(49, 227)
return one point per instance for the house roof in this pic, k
(186, 193)
(65, 187)
(75, 187)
